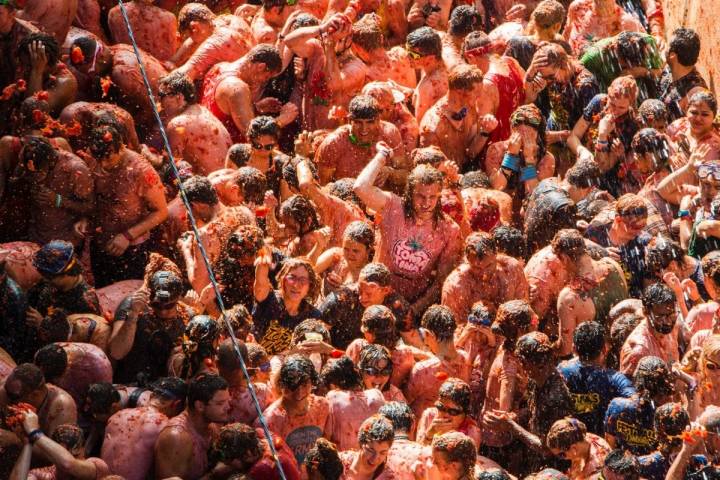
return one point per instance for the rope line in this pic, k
(203, 253)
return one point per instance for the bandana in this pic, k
(55, 258)
(526, 115)
(480, 51)
(356, 141)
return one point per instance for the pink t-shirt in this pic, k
(242, 407)
(642, 342)
(348, 410)
(469, 427)
(412, 252)
(700, 318)
(427, 377)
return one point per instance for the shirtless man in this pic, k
(484, 276)
(182, 446)
(154, 28)
(453, 123)
(269, 20)
(592, 20)
(74, 367)
(347, 150)
(195, 134)
(486, 208)
(130, 203)
(404, 452)
(54, 17)
(393, 109)
(382, 65)
(89, 114)
(26, 384)
(242, 407)
(208, 40)
(298, 416)
(14, 30)
(424, 383)
(424, 47)
(334, 75)
(118, 64)
(131, 433)
(246, 185)
(230, 89)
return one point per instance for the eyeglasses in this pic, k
(376, 372)
(453, 412)
(258, 146)
(413, 54)
(711, 171)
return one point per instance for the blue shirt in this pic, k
(592, 389)
(632, 424)
(655, 466)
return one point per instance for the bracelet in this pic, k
(511, 162)
(35, 435)
(528, 173)
(602, 146)
(683, 213)
(127, 236)
(58, 200)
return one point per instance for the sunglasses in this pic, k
(709, 171)
(267, 147)
(265, 367)
(413, 54)
(376, 372)
(453, 412)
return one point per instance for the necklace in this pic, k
(355, 141)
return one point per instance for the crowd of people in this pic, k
(357, 240)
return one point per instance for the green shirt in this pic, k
(602, 61)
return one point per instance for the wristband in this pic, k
(683, 213)
(602, 146)
(127, 236)
(58, 200)
(35, 435)
(528, 173)
(511, 162)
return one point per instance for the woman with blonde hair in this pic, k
(707, 375)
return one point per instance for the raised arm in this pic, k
(374, 197)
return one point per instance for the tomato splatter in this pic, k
(76, 56)
(151, 178)
(42, 95)
(442, 376)
(105, 84)
(337, 353)
(38, 116)
(107, 138)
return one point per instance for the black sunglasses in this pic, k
(267, 147)
(376, 372)
(454, 412)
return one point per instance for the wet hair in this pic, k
(492, 474)
(475, 179)
(439, 320)
(55, 326)
(27, 116)
(263, 125)
(171, 388)
(706, 97)
(360, 232)
(421, 175)
(685, 43)
(239, 154)
(69, 436)
(104, 140)
(629, 203)
(372, 354)
(200, 189)
(247, 240)
(512, 319)
(268, 4)
(622, 327)
(660, 252)
(480, 244)
(463, 20)
(304, 20)
(457, 447)
(584, 174)
(631, 47)
(193, 12)
(623, 463)
(652, 109)
(296, 370)
(509, 241)
(237, 440)
(266, 54)
(239, 319)
(534, 348)
(30, 377)
(400, 414)
(252, 183)
(565, 433)
(310, 325)
(569, 242)
(289, 171)
(256, 354)
(341, 373)
(464, 76)
(204, 387)
(431, 155)
(40, 152)
(343, 189)
(52, 360)
(363, 107)
(474, 40)
(380, 322)
(302, 210)
(367, 34)
(458, 391)
(100, 397)
(670, 422)
(555, 55)
(377, 273)
(177, 83)
(531, 116)
(657, 294)
(291, 264)
(548, 13)
(589, 340)
(87, 46)
(323, 459)
(227, 358)
(198, 343)
(649, 140)
(404, 320)
(710, 264)
(52, 48)
(652, 376)
(425, 41)
(376, 428)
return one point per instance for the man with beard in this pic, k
(182, 446)
(147, 326)
(130, 203)
(656, 335)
